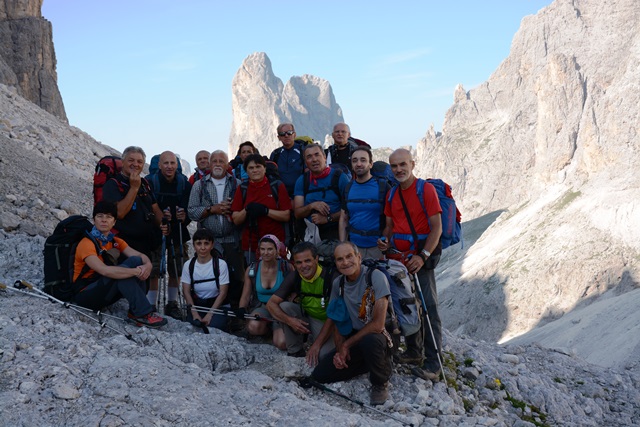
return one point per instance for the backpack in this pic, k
(382, 194)
(403, 297)
(244, 187)
(59, 254)
(154, 180)
(327, 277)
(358, 142)
(304, 140)
(391, 328)
(451, 216)
(334, 185)
(154, 165)
(382, 169)
(216, 254)
(106, 168)
(272, 170)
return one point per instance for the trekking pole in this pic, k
(175, 267)
(426, 316)
(162, 292)
(20, 285)
(309, 382)
(230, 313)
(181, 299)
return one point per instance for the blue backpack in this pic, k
(451, 217)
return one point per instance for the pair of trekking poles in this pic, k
(26, 288)
(425, 313)
(162, 283)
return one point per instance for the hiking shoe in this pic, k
(426, 374)
(299, 353)
(172, 309)
(408, 357)
(151, 320)
(379, 394)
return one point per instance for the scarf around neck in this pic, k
(325, 173)
(101, 237)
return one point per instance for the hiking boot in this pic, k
(151, 320)
(299, 353)
(409, 357)
(379, 394)
(426, 373)
(172, 309)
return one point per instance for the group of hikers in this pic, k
(281, 241)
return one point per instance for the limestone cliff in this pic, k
(548, 146)
(27, 56)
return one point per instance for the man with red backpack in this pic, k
(414, 232)
(139, 215)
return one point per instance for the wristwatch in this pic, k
(329, 218)
(425, 254)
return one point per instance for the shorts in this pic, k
(261, 310)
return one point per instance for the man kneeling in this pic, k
(362, 344)
(100, 284)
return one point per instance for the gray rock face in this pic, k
(27, 56)
(543, 158)
(260, 101)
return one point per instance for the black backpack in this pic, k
(59, 253)
(216, 254)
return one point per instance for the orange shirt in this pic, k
(87, 248)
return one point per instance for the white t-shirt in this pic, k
(204, 271)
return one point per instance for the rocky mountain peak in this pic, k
(260, 101)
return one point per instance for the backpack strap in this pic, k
(244, 187)
(382, 193)
(335, 184)
(216, 272)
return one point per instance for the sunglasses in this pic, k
(288, 133)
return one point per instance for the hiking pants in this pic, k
(371, 354)
(427, 278)
(235, 262)
(295, 340)
(106, 291)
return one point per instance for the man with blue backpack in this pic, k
(413, 229)
(171, 190)
(318, 196)
(362, 218)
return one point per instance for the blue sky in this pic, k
(158, 73)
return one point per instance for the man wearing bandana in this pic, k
(319, 193)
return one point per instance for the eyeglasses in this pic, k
(104, 216)
(288, 133)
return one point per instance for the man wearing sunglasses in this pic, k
(288, 157)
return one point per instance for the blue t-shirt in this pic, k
(328, 195)
(290, 165)
(365, 208)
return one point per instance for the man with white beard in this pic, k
(210, 205)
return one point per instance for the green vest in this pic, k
(312, 298)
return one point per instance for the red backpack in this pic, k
(106, 169)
